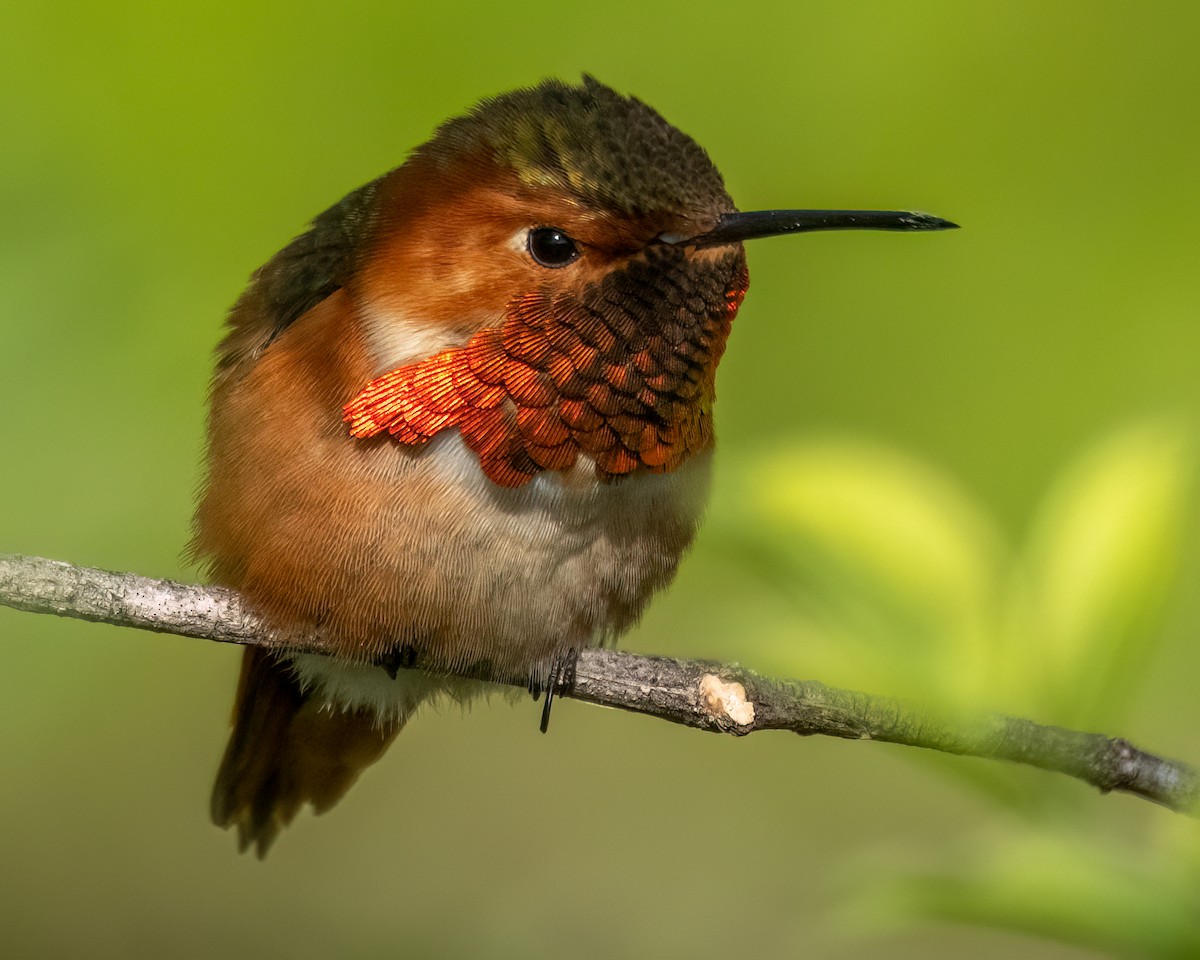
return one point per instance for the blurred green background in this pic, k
(956, 466)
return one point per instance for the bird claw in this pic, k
(559, 682)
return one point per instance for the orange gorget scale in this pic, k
(549, 384)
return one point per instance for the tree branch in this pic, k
(708, 696)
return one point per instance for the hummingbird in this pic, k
(464, 424)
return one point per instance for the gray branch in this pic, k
(708, 696)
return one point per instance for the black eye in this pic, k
(550, 247)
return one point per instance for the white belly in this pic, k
(512, 577)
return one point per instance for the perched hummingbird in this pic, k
(464, 423)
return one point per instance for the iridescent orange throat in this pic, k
(625, 377)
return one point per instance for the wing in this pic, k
(295, 280)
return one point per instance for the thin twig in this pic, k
(709, 696)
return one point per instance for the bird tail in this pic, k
(288, 749)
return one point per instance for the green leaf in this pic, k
(1063, 884)
(1098, 568)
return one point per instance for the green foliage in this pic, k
(890, 566)
(1057, 881)
(1101, 561)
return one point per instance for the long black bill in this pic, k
(735, 227)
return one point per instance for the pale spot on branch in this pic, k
(726, 700)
